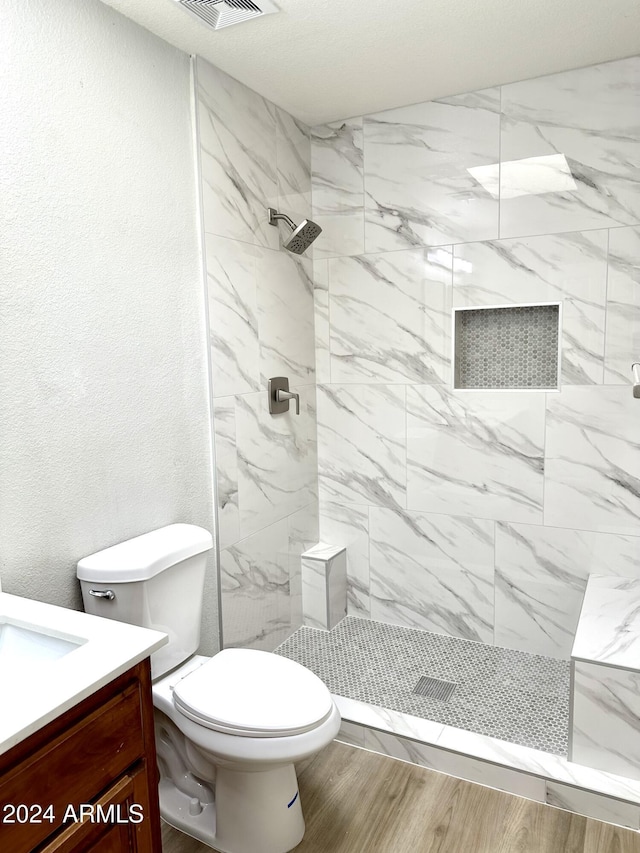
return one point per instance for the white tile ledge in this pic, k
(551, 768)
(323, 551)
(609, 625)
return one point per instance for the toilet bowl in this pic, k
(246, 752)
(229, 728)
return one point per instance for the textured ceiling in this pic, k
(330, 59)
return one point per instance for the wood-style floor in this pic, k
(360, 802)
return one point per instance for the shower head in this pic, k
(301, 237)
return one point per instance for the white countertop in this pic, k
(104, 649)
(609, 625)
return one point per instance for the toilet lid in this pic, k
(253, 694)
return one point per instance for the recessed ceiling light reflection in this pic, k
(530, 176)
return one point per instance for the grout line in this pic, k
(210, 392)
(423, 246)
(406, 450)
(369, 561)
(272, 524)
(606, 310)
(329, 321)
(495, 542)
(445, 385)
(364, 190)
(500, 117)
(544, 456)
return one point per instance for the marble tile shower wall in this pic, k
(254, 155)
(480, 514)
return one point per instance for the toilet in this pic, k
(229, 728)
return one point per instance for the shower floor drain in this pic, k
(435, 688)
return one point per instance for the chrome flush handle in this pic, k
(109, 594)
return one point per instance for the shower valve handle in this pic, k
(279, 395)
(283, 396)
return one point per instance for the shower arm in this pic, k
(274, 216)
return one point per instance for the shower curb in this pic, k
(517, 770)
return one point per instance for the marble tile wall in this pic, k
(480, 514)
(261, 316)
(606, 719)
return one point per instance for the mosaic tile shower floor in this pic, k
(502, 693)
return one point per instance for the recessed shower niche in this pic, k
(504, 347)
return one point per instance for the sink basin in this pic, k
(51, 658)
(25, 648)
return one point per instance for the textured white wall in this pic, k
(104, 426)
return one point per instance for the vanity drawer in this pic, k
(98, 837)
(73, 768)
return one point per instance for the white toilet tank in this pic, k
(156, 581)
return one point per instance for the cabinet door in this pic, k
(74, 767)
(116, 839)
(97, 836)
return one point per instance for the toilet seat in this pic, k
(250, 693)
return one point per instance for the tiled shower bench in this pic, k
(605, 671)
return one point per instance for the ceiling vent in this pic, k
(223, 13)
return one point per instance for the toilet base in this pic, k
(258, 811)
(174, 810)
(253, 811)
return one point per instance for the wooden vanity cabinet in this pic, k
(95, 765)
